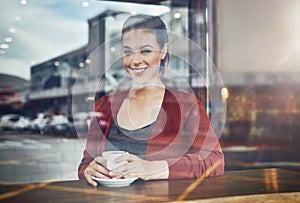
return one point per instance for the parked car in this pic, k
(23, 124)
(8, 121)
(60, 125)
(82, 120)
(39, 124)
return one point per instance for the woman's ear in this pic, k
(164, 51)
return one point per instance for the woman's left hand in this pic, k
(140, 168)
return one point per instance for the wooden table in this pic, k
(233, 186)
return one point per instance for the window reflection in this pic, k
(262, 119)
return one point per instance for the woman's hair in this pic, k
(155, 25)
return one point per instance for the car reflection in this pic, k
(15, 122)
(42, 123)
(60, 125)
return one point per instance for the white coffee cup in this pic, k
(110, 157)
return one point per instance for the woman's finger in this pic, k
(127, 157)
(100, 160)
(99, 175)
(97, 170)
(119, 171)
(132, 169)
(100, 169)
(89, 179)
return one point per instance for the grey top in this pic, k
(132, 141)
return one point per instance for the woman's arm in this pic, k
(90, 151)
(95, 136)
(205, 156)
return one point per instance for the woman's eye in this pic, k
(146, 51)
(127, 52)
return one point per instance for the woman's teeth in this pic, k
(138, 70)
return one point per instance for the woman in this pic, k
(166, 132)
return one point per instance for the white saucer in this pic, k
(114, 182)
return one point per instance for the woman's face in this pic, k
(142, 56)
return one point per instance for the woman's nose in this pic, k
(136, 58)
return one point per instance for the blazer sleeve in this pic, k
(204, 157)
(95, 138)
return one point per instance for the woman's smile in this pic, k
(138, 71)
(142, 56)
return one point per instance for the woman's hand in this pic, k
(96, 168)
(139, 168)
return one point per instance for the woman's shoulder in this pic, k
(186, 100)
(110, 99)
(181, 94)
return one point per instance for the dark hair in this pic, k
(155, 25)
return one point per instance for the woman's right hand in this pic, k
(96, 168)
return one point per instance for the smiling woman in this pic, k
(142, 57)
(165, 132)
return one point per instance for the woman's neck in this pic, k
(147, 91)
(155, 81)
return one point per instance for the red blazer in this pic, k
(182, 135)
